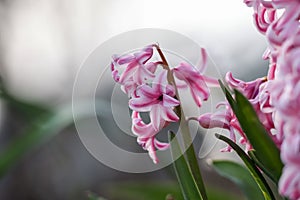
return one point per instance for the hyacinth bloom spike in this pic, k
(290, 182)
(278, 101)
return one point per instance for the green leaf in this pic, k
(190, 156)
(185, 178)
(266, 151)
(149, 190)
(256, 174)
(240, 176)
(146, 190)
(252, 155)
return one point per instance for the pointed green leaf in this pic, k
(266, 151)
(252, 155)
(240, 176)
(229, 97)
(256, 174)
(185, 178)
(145, 190)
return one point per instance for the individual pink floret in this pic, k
(157, 99)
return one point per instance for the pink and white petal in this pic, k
(180, 84)
(151, 150)
(155, 117)
(211, 82)
(170, 90)
(169, 101)
(123, 59)
(289, 181)
(183, 71)
(161, 145)
(142, 74)
(129, 87)
(115, 75)
(168, 115)
(152, 66)
(199, 93)
(144, 55)
(128, 72)
(209, 120)
(160, 82)
(147, 91)
(142, 104)
(200, 88)
(203, 63)
(139, 128)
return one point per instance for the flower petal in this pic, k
(155, 116)
(169, 101)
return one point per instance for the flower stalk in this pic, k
(190, 155)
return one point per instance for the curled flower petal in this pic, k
(194, 80)
(132, 70)
(144, 55)
(249, 89)
(123, 59)
(169, 101)
(158, 100)
(203, 64)
(146, 136)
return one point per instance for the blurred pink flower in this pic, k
(280, 95)
(290, 180)
(263, 17)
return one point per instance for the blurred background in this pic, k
(42, 45)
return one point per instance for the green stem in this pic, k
(191, 156)
(185, 132)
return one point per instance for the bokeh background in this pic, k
(42, 45)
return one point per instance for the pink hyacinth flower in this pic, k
(146, 136)
(194, 80)
(263, 17)
(157, 99)
(249, 89)
(136, 69)
(224, 119)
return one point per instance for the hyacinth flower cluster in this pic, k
(276, 97)
(152, 87)
(278, 20)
